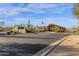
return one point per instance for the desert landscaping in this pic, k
(69, 47)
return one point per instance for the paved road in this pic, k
(27, 44)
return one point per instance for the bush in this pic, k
(76, 33)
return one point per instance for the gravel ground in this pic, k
(70, 47)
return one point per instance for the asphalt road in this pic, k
(27, 44)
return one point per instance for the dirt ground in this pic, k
(70, 47)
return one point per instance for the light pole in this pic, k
(29, 25)
(42, 25)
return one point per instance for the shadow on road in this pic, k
(20, 49)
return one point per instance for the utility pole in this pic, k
(28, 24)
(42, 22)
(42, 25)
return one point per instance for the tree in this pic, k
(76, 11)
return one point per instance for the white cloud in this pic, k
(34, 8)
(40, 8)
(8, 10)
(46, 8)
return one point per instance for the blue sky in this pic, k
(51, 13)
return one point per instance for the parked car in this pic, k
(11, 32)
(3, 33)
(7, 33)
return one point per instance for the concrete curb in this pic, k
(49, 48)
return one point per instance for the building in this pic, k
(19, 29)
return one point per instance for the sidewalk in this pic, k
(70, 47)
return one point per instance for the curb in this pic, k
(49, 48)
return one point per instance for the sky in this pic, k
(49, 13)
